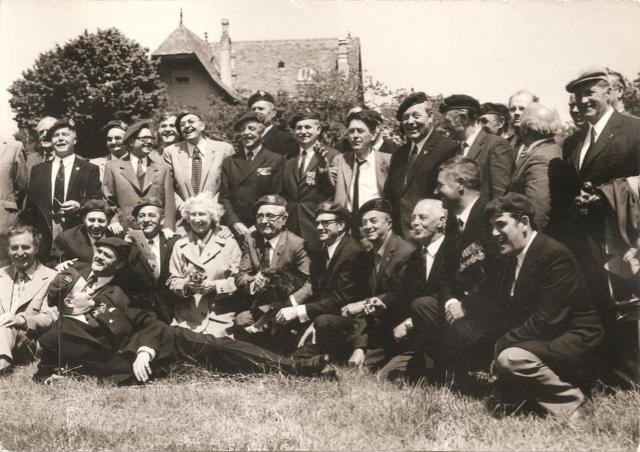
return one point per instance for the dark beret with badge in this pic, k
(61, 285)
(377, 204)
(134, 129)
(60, 124)
(258, 96)
(121, 247)
(269, 200)
(496, 109)
(152, 201)
(333, 208)
(114, 124)
(251, 116)
(409, 101)
(460, 101)
(97, 205)
(513, 203)
(588, 76)
(301, 116)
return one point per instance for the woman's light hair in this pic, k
(207, 200)
(540, 120)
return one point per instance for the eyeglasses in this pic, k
(268, 216)
(325, 223)
(148, 138)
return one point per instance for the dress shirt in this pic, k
(598, 127)
(304, 161)
(430, 255)
(134, 162)
(100, 282)
(470, 140)
(420, 144)
(202, 148)
(273, 242)
(520, 260)
(18, 288)
(464, 216)
(367, 181)
(68, 162)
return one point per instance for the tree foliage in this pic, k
(93, 78)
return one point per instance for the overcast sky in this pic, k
(487, 49)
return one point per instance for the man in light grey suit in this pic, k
(13, 187)
(195, 162)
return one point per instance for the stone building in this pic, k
(194, 69)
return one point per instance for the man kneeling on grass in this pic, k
(99, 335)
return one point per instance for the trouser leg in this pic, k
(8, 336)
(541, 385)
(335, 335)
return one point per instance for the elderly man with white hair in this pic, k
(538, 127)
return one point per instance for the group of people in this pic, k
(490, 241)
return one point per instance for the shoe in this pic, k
(584, 411)
(310, 366)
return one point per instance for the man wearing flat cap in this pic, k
(274, 138)
(114, 132)
(492, 153)
(604, 150)
(305, 179)
(196, 160)
(248, 175)
(59, 187)
(495, 119)
(551, 329)
(414, 167)
(137, 176)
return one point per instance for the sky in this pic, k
(488, 49)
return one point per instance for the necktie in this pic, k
(196, 170)
(413, 154)
(301, 168)
(58, 186)
(425, 253)
(325, 256)
(21, 277)
(140, 174)
(266, 258)
(460, 223)
(91, 280)
(249, 154)
(355, 202)
(592, 140)
(155, 268)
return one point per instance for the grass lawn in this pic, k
(202, 411)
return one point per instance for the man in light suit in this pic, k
(414, 167)
(492, 153)
(360, 175)
(13, 187)
(23, 288)
(195, 162)
(138, 176)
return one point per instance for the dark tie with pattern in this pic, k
(266, 259)
(58, 186)
(140, 174)
(355, 204)
(196, 170)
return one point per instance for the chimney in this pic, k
(225, 55)
(234, 73)
(343, 57)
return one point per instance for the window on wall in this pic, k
(306, 74)
(281, 65)
(181, 77)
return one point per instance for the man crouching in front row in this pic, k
(98, 334)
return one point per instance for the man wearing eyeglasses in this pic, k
(137, 176)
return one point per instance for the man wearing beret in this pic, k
(248, 175)
(549, 350)
(604, 150)
(273, 137)
(495, 119)
(114, 132)
(57, 188)
(13, 187)
(137, 176)
(196, 161)
(305, 179)
(492, 153)
(414, 167)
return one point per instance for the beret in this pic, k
(409, 101)
(59, 124)
(96, 205)
(117, 124)
(181, 115)
(512, 202)
(251, 116)
(301, 116)
(269, 200)
(120, 246)
(151, 201)
(587, 76)
(61, 285)
(378, 204)
(333, 208)
(133, 130)
(260, 95)
(459, 101)
(496, 109)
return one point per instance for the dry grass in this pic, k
(201, 411)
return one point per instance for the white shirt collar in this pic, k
(371, 158)
(420, 144)
(602, 122)
(266, 129)
(273, 241)
(464, 216)
(67, 161)
(523, 253)
(255, 151)
(331, 249)
(433, 247)
(101, 281)
(201, 144)
(134, 160)
(472, 138)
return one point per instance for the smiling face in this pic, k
(168, 131)
(151, 220)
(593, 100)
(416, 122)
(105, 261)
(143, 144)
(307, 132)
(191, 127)
(509, 232)
(63, 141)
(270, 220)
(266, 109)
(96, 224)
(22, 250)
(114, 142)
(375, 226)
(329, 228)
(200, 219)
(360, 136)
(251, 134)
(448, 189)
(425, 222)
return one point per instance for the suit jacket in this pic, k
(244, 182)
(211, 313)
(532, 176)
(71, 244)
(415, 285)
(281, 142)
(32, 304)
(551, 314)
(304, 194)
(177, 157)
(13, 181)
(289, 255)
(342, 281)
(495, 158)
(341, 172)
(121, 187)
(406, 184)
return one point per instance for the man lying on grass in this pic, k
(97, 334)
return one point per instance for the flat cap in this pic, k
(134, 129)
(269, 200)
(333, 208)
(120, 246)
(496, 109)
(378, 204)
(409, 101)
(301, 116)
(512, 202)
(151, 201)
(182, 114)
(61, 285)
(251, 116)
(588, 76)
(59, 124)
(260, 95)
(114, 124)
(96, 205)
(456, 101)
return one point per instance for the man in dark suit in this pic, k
(273, 137)
(305, 179)
(605, 149)
(57, 188)
(248, 175)
(553, 331)
(492, 153)
(414, 167)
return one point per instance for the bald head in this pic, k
(518, 102)
(539, 121)
(42, 127)
(428, 221)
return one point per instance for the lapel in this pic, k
(380, 170)
(347, 170)
(72, 328)
(424, 156)
(6, 288)
(608, 133)
(527, 269)
(254, 164)
(164, 249)
(126, 170)
(38, 279)
(387, 256)
(149, 175)
(439, 259)
(4, 145)
(75, 170)
(47, 183)
(477, 145)
(522, 160)
(335, 258)
(280, 247)
(211, 249)
(181, 168)
(575, 157)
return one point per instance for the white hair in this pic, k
(207, 200)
